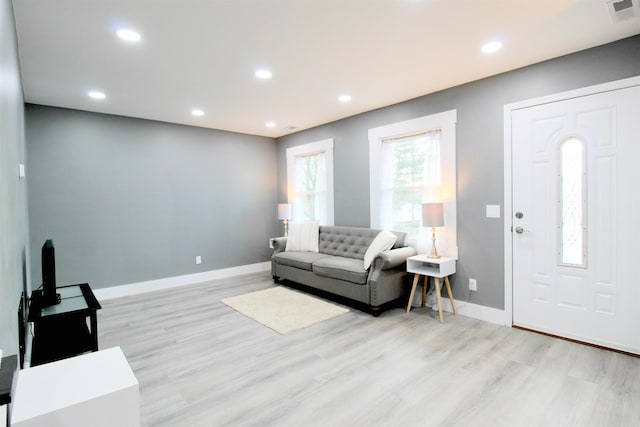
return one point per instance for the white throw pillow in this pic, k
(303, 236)
(383, 242)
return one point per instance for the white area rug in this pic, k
(284, 310)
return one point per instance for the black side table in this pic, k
(61, 330)
(8, 368)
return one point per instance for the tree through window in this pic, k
(310, 192)
(310, 181)
(410, 163)
(409, 166)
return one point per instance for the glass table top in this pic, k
(71, 299)
(66, 305)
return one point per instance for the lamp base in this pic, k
(434, 251)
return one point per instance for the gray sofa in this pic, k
(338, 267)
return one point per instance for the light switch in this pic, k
(493, 211)
(21, 171)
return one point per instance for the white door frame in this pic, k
(508, 172)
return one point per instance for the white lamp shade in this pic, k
(432, 215)
(284, 211)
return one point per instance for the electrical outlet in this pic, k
(473, 285)
(198, 259)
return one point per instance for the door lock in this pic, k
(519, 215)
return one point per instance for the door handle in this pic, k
(520, 230)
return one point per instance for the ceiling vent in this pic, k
(621, 10)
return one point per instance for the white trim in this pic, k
(325, 146)
(576, 93)
(446, 121)
(508, 171)
(104, 294)
(475, 311)
(508, 220)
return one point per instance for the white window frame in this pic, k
(446, 193)
(325, 146)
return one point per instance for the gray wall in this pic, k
(128, 200)
(13, 191)
(479, 152)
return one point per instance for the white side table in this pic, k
(438, 268)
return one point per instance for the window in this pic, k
(310, 181)
(411, 163)
(572, 226)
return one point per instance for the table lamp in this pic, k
(433, 216)
(284, 214)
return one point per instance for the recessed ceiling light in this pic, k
(344, 98)
(263, 74)
(270, 124)
(491, 47)
(128, 35)
(197, 112)
(96, 94)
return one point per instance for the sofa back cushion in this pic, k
(351, 242)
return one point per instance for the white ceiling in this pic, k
(203, 53)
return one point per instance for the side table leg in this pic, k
(425, 283)
(94, 330)
(446, 283)
(413, 291)
(437, 283)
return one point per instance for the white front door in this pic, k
(576, 218)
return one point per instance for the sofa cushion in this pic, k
(352, 242)
(303, 260)
(336, 267)
(303, 236)
(349, 242)
(383, 242)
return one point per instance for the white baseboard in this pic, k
(487, 314)
(173, 282)
(475, 311)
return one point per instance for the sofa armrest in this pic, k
(279, 244)
(387, 274)
(393, 257)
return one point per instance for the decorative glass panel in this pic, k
(572, 204)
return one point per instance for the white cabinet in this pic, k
(95, 389)
(432, 267)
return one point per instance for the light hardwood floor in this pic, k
(200, 363)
